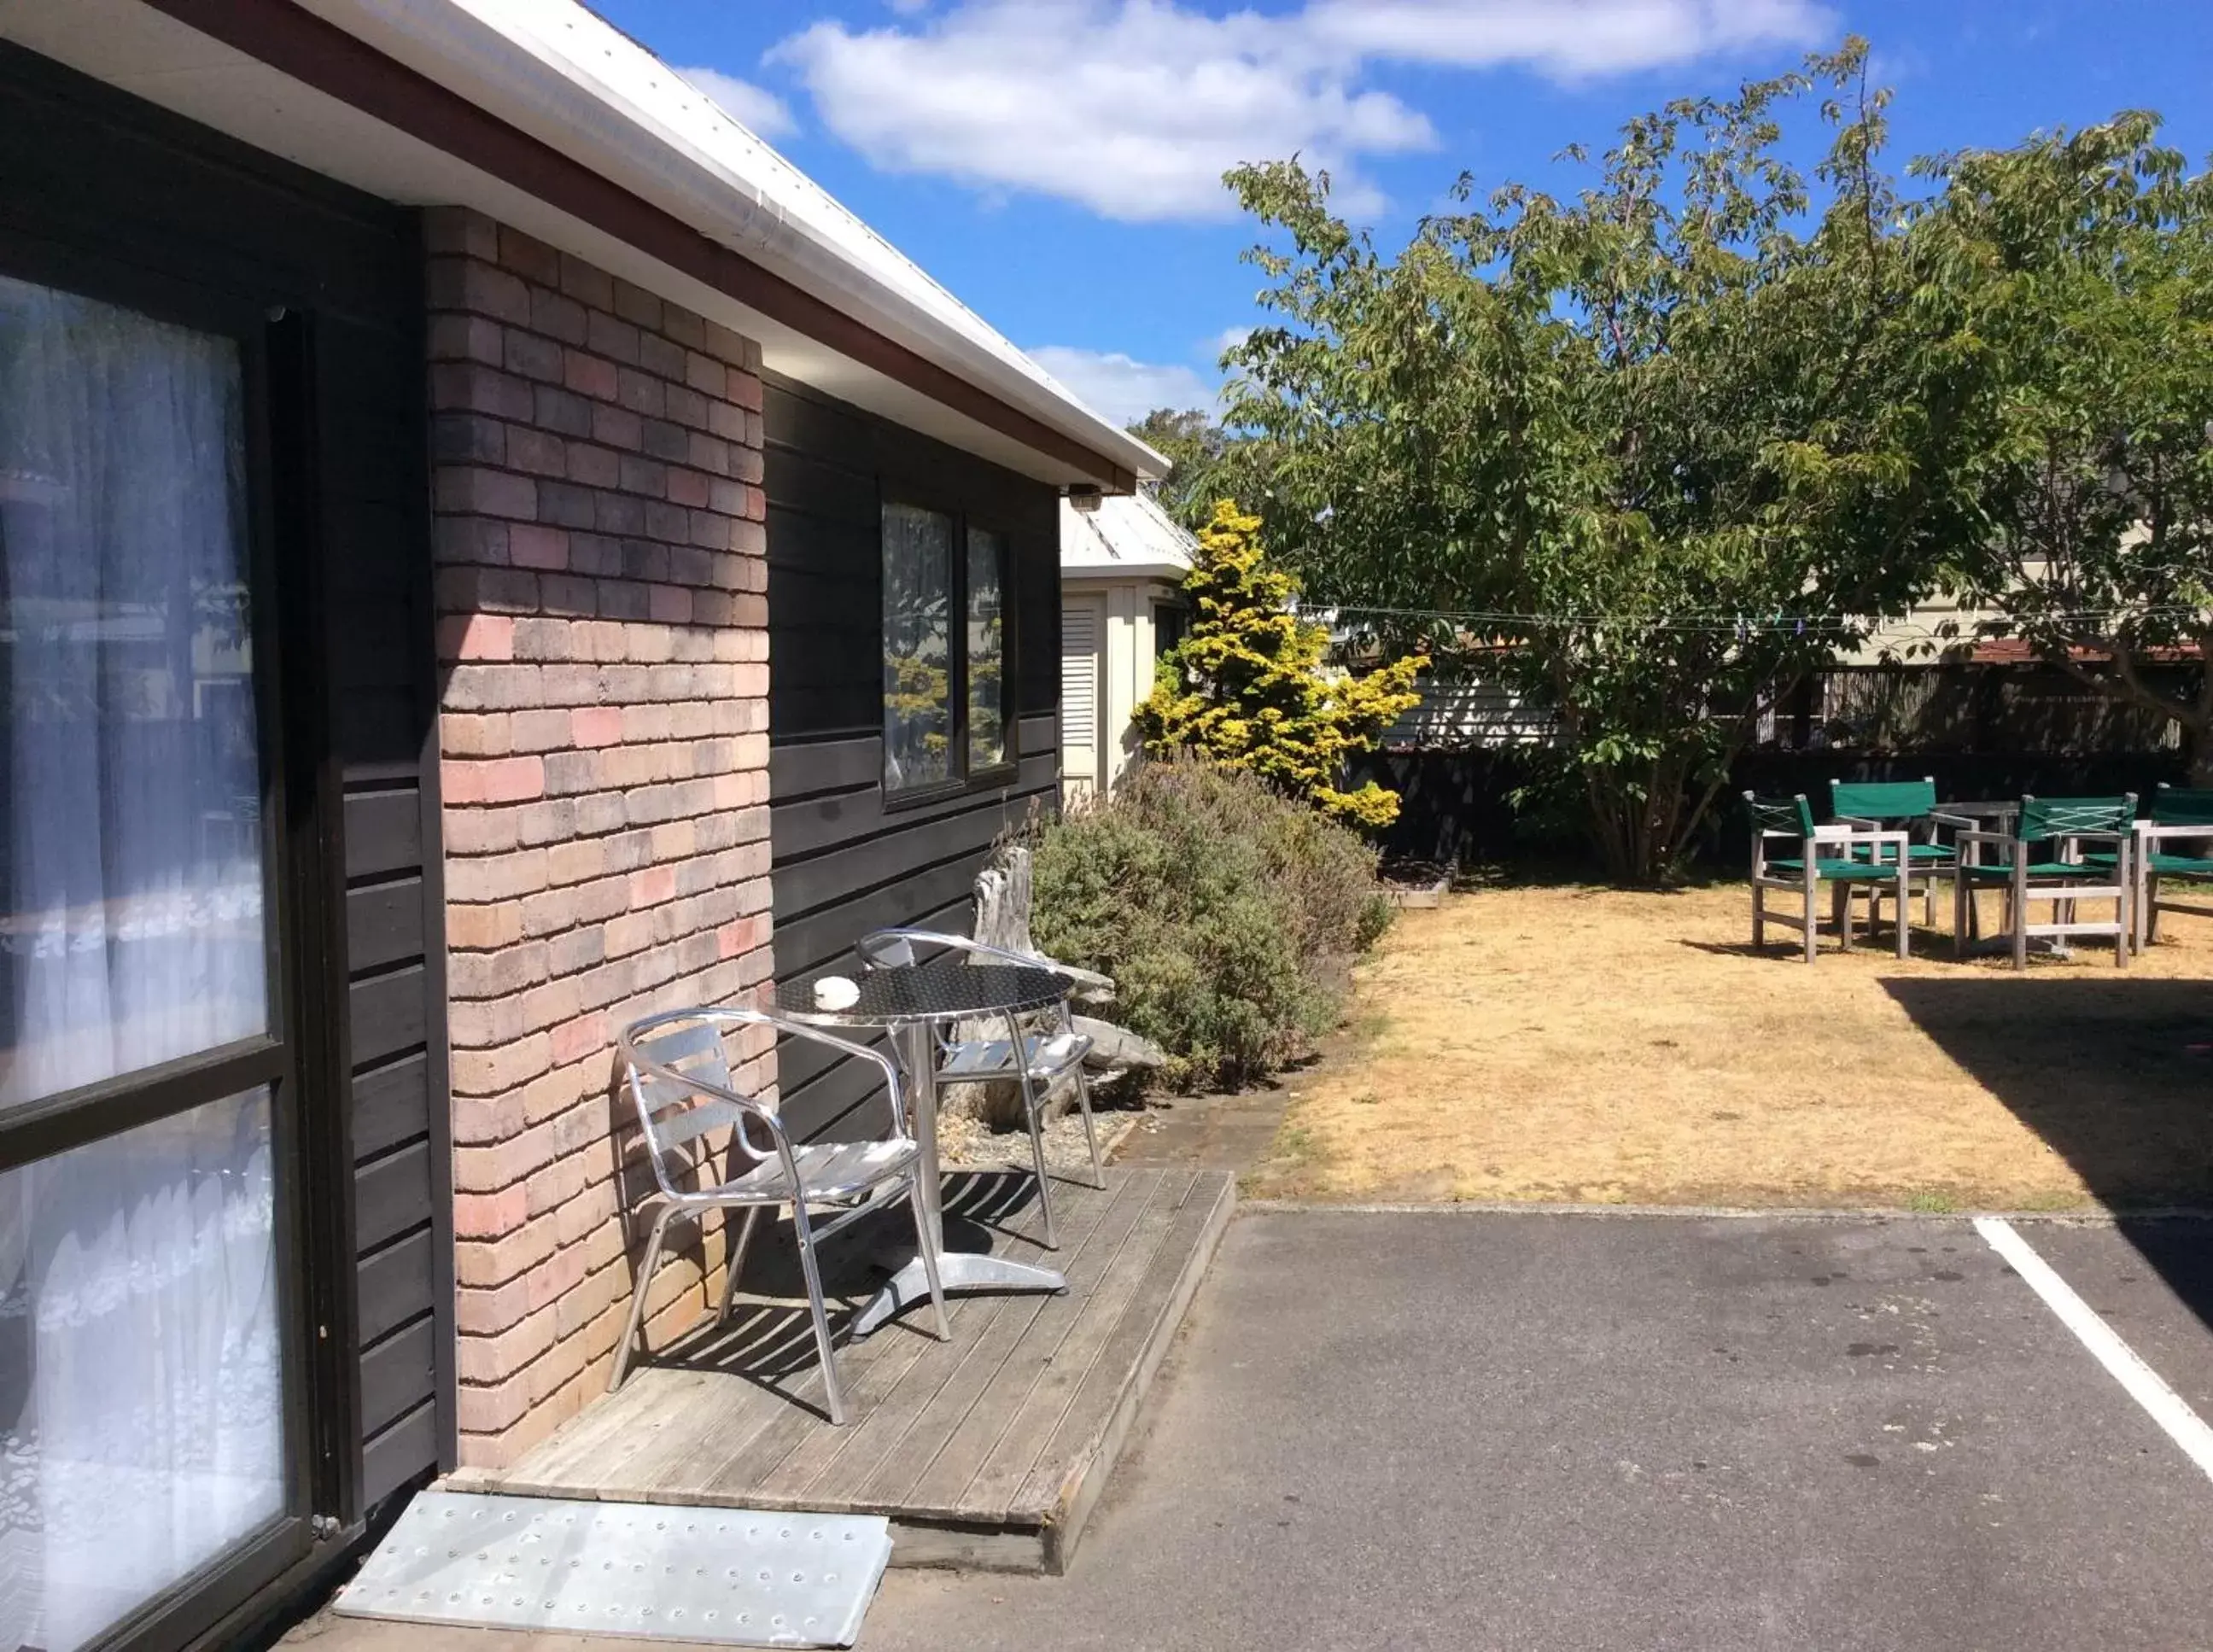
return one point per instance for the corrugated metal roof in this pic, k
(1123, 536)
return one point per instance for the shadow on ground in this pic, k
(2116, 1075)
(769, 1338)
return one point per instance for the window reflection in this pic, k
(987, 650)
(131, 880)
(918, 582)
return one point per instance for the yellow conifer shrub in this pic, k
(1246, 687)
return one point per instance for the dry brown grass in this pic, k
(1600, 1046)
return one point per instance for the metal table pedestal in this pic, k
(956, 1269)
(908, 1003)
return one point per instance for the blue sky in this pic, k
(1054, 162)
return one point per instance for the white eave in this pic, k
(554, 70)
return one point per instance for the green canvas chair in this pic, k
(2181, 821)
(1909, 806)
(2044, 861)
(1838, 855)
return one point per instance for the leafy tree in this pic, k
(1663, 446)
(2082, 265)
(1194, 446)
(1247, 687)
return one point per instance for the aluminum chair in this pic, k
(1052, 1051)
(678, 1075)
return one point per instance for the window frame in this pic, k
(962, 777)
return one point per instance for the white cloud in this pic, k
(1136, 107)
(754, 107)
(1121, 388)
(1566, 40)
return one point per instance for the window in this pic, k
(1169, 622)
(142, 1377)
(945, 706)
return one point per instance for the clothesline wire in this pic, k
(1722, 623)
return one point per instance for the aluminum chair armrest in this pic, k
(1965, 822)
(2157, 834)
(876, 942)
(822, 1035)
(894, 1090)
(739, 1015)
(1859, 822)
(1070, 973)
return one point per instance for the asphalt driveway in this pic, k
(1463, 1431)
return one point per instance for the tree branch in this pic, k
(2127, 690)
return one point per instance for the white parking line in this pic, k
(2146, 1386)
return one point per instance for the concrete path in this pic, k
(1215, 1132)
(1467, 1431)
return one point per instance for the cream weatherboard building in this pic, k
(1123, 560)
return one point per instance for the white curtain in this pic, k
(140, 1425)
(149, 1435)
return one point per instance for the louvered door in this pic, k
(1082, 650)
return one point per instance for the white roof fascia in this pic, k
(554, 69)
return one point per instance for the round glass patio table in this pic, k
(908, 1003)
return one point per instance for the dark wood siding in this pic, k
(374, 526)
(844, 863)
(108, 194)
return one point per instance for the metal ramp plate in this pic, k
(719, 1576)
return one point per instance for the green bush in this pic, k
(1228, 915)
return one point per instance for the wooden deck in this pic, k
(988, 1450)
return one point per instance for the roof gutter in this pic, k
(540, 69)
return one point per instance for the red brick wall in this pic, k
(602, 635)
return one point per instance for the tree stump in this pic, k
(1002, 919)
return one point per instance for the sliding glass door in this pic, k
(148, 1366)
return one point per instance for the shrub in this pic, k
(1228, 915)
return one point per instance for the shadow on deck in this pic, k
(989, 1450)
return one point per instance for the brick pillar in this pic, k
(603, 642)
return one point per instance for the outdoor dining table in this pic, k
(908, 1004)
(1988, 817)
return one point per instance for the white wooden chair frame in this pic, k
(1835, 841)
(2150, 838)
(1927, 873)
(2021, 889)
